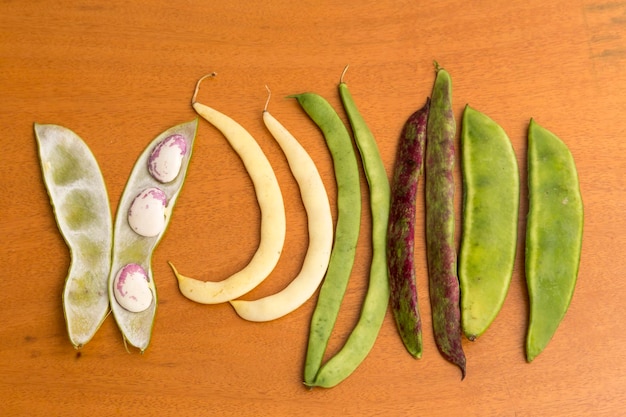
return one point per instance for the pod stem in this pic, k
(343, 73)
(197, 89)
(269, 95)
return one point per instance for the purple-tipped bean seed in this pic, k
(166, 159)
(146, 215)
(131, 288)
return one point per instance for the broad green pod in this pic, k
(490, 217)
(554, 232)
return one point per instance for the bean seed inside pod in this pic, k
(146, 215)
(131, 288)
(167, 157)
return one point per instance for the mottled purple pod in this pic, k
(401, 230)
(440, 241)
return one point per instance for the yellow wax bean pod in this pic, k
(273, 222)
(320, 222)
(81, 206)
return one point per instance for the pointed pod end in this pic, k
(417, 355)
(179, 277)
(531, 354)
(461, 363)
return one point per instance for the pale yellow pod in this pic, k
(81, 206)
(134, 249)
(273, 222)
(320, 227)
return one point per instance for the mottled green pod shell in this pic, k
(490, 219)
(554, 233)
(129, 247)
(81, 206)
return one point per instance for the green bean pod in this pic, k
(347, 228)
(554, 232)
(131, 248)
(440, 222)
(81, 207)
(362, 338)
(490, 215)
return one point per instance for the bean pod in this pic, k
(320, 228)
(81, 206)
(362, 338)
(273, 222)
(401, 230)
(490, 215)
(440, 222)
(554, 233)
(347, 229)
(143, 214)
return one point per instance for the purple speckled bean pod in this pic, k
(401, 230)
(440, 240)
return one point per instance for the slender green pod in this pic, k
(144, 211)
(490, 217)
(363, 336)
(554, 232)
(401, 230)
(320, 228)
(81, 206)
(440, 222)
(347, 228)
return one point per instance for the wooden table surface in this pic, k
(119, 73)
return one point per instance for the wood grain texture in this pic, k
(119, 73)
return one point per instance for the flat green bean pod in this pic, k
(81, 206)
(490, 215)
(554, 232)
(137, 233)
